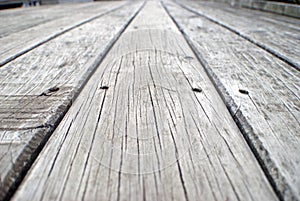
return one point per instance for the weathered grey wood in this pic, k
(38, 87)
(278, 35)
(149, 125)
(54, 24)
(15, 20)
(261, 92)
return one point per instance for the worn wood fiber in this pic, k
(277, 34)
(16, 20)
(261, 91)
(38, 87)
(149, 125)
(56, 21)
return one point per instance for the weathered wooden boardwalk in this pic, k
(134, 100)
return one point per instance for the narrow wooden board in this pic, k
(277, 35)
(56, 21)
(149, 125)
(261, 92)
(38, 88)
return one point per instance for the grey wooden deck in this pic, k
(134, 100)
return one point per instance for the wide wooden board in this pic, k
(261, 92)
(38, 88)
(149, 125)
(276, 34)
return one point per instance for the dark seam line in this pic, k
(267, 49)
(243, 127)
(97, 62)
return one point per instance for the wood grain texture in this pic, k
(261, 91)
(16, 20)
(56, 21)
(278, 35)
(38, 87)
(149, 125)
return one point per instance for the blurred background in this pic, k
(7, 4)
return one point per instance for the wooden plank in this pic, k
(149, 125)
(277, 35)
(56, 21)
(261, 92)
(38, 88)
(16, 20)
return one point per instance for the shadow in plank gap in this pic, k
(38, 87)
(278, 35)
(29, 30)
(260, 90)
(138, 130)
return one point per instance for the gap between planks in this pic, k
(16, 51)
(258, 119)
(138, 130)
(284, 53)
(20, 147)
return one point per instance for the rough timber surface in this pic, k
(16, 20)
(149, 125)
(261, 91)
(38, 87)
(56, 21)
(275, 33)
